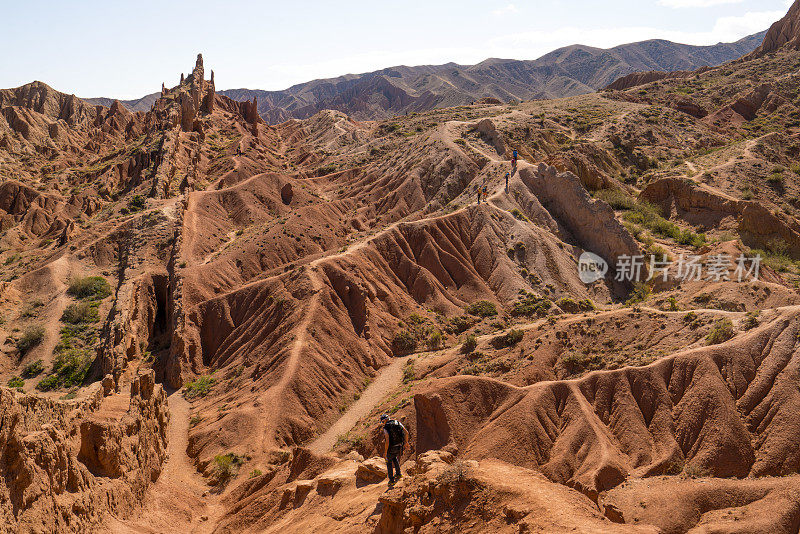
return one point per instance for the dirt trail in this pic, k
(390, 376)
(180, 500)
(211, 255)
(388, 379)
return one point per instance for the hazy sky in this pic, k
(126, 49)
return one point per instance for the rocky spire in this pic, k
(181, 78)
(198, 83)
(208, 98)
(163, 89)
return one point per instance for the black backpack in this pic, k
(397, 437)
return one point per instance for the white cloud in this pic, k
(507, 10)
(678, 4)
(535, 43)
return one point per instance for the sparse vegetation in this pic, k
(672, 304)
(750, 320)
(577, 362)
(435, 340)
(409, 372)
(649, 217)
(470, 343)
(509, 339)
(460, 324)
(530, 305)
(721, 331)
(199, 387)
(33, 369)
(640, 293)
(90, 287)
(348, 441)
(482, 308)
(81, 312)
(32, 336)
(137, 203)
(16, 382)
(617, 199)
(403, 343)
(519, 215)
(226, 466)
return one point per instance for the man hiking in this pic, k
(395, 441)
(507, 175)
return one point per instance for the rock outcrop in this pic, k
(784, 33)
(51, 483)
(757, 225)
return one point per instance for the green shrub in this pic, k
(32, 336)
(199, 387)
(33, 369)
(470, 343)
(509, 339)
(672, 304)
(226, 466)
(349, 442)
(71, 366)
(617, 199)
(435, 340)
(750, 320)
(409, 373)
(95, 287)
(577, 362)
(137, 203)
(403, 343)
(640, 293)
(586, 305)
(460, 324)
(15, 382)
(255, 473)
(721, 331)
(482, 308)
(519, 215)
(649, 216)
(48, 383)
(530, 305)
(32, 309)
(81, 312)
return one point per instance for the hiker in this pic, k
(507, 176)
(395, 441)
(479, 195)
(485, 193)
(514, 159)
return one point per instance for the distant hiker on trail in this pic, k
(479, 195)
(514, 159)
(395, 441)
(507, 176)
(485, 193)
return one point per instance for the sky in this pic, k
(125, 50)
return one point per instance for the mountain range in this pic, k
(568, 71)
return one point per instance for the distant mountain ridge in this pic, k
(567, 71)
